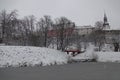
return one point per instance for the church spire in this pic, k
(105, 18)
(105, 24)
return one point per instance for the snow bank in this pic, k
(29, 56)
(90, 54)
(108, 56)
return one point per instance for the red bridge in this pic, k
(73, 52)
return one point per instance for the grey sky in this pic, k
(82, 12)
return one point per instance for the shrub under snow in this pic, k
(29, 56)
(88, 54)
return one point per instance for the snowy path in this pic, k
(76, 71)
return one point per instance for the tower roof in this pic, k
(105, 17)
(105, 24)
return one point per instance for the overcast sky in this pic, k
(82, 12)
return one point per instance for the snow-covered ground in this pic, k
(29, 56)
(16, 56)
(108, 56)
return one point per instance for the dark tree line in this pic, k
(45, 32)
(31, 32)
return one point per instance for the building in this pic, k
(112, 36)
(84, 30)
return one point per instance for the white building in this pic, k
(84, 30)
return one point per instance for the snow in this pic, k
(16, 56)
(108, 56)
(89, 54)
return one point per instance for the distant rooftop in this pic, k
(86, 26)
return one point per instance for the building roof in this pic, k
(84, 27)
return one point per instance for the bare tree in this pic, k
(28, 31)
(5, 19)
(44, 25)
(28, 25)
(99, 25)
(64, 31)
(98, 35)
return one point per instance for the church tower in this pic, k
(106, 25)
